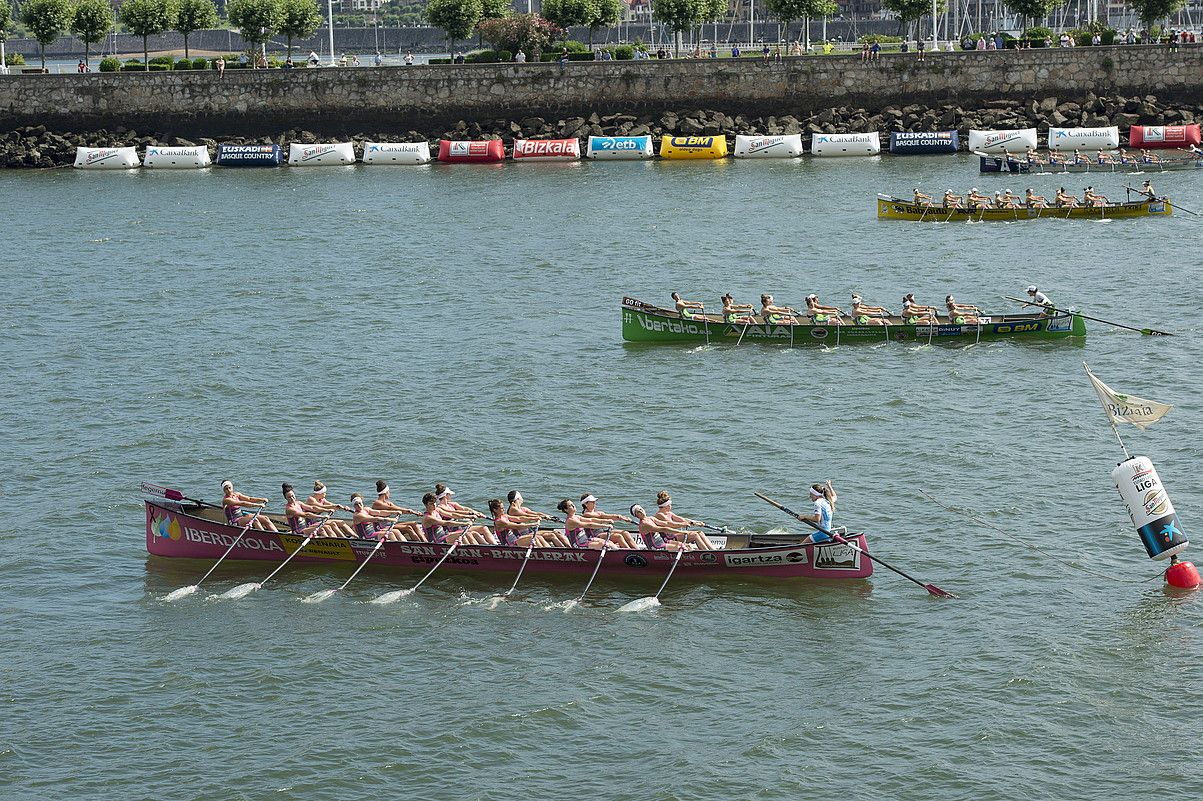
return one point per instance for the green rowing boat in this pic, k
(643, 322)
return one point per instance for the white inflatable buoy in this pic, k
(1017, 140)
(858, 144)
(396, 153)
(106, 158)
(1149, 507)
(547, 149)
(1083, 138)
(620, 148)
(332, 154)
(786, 146)
(177, 158)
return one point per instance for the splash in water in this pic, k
(390, 597)
(241, 591)
(182, 592)
(640, 605)
(318, 597)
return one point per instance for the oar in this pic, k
(322, 595)
(931, 588)
(1142, 194)
(395, 595)
(243, 590)
(173, 495)
(652, 601)
(1151, 332)
(175, 595)
(529, 550)
(601, 555)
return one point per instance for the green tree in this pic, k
(1032, 10)
(527, 32)
(299, 19)
(194, 15)
(91, 20)
(495, 9)
(793, 10)
(681, 16)
(145, 18)
(46, 20)
(1150, 11)
(605, 13)
(6, 21)
(457, 18)
(909, 11)
(256, 20)
(568, 13)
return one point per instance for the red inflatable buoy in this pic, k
(1182, 575)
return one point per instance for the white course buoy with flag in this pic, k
(1140, 487)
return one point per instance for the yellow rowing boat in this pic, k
(893, 208)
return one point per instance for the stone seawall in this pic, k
(337, 101)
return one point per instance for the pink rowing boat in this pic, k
(195, 531)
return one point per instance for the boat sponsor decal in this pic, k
(1156, 502)
(692, 142)
(425, 553)
(320, 547)
(661, 325)
(635, 560)
(619, 143)
(1016, 328)
(247, 543)
(417, 148)
(1156, 208)
(707, 556)
(719, 541)
(753, 559)
(836, 556)
(166, 527)
(818, 333)
(1060, 323)
(922, 331)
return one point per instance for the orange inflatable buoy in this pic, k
(1182, 575)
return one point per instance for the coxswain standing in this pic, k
(922, 199)
(1040, 299)
(1064, 200)
(1093, 198)
(1146, 189)
(688, 309)
(864, 314)
(232, 503)
(1035, 201)
(952, 201)
(823, 498)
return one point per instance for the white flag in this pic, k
(1128, 408)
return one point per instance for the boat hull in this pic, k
(899, 209)
(173, 533)
(642, 322)
(992, 164)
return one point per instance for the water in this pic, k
(461, 324)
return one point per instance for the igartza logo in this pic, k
(165, 527)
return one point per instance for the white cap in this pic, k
(1032, 288)
(588, 499)
(227, 483)
(447, 493)
(815, 494)
(636, 509)
(812, 296)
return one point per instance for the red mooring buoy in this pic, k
(1183, 576)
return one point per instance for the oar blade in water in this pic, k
(390, 597)
(182, 592)
(640, 604)
(241, 591)
(318, 597)
(939, 593)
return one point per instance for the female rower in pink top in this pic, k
(232, 502)
(657, 534)
(440, 529)
(318, 500)
(664, 512)
(383, 503)
(521, 514)
(369, 522)
(510, 533)
(598, 520)
(298, 516)
(459, 517)
(578, 535)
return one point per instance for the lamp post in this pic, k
(330, 13)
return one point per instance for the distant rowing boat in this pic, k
(643, 322)
(993, 164)
(894, 208)
(192, 531)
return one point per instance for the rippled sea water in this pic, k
(461, 324)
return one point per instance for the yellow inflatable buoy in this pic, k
(693, 147)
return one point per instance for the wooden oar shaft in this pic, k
(1147, 331)
(931, 588)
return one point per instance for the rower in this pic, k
(864, 314)
(688, 309)
(664, 513)
(509, 532)
(776, 315)
(1093, 198)
(1040, 299)
(1078, 158)
(440, 529)
(318, 499)
(521, 514)
(922, 199)
(976, 200)
(368, 523)
(1062, 200)
(657, 534)
(1146, 189)
(1055, 157)
(596, 517)
(823, 497)
(1009, 200)
(1035, 201)
(822, 315)
(445, 495)
(1034, 157)
(961, 313)
(1105, 158)
(232, 503)
(739, 313)
(1195, 151)
(459, 518)
(914, 314)
(578, 535)
(297, 515)
(952, 201)
(384, 503)
(1148, 157)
